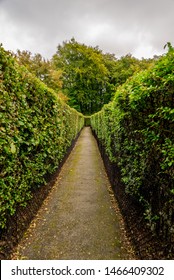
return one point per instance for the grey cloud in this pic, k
(118, 26)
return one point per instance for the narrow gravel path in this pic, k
(77, 220)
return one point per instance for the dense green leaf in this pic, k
(35, 132)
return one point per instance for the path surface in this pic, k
(77, 220)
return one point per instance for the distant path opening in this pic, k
(77, 220)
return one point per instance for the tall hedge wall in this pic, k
(36, 128)
(137, 131)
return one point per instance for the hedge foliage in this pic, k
(36, 129)
(137, 131)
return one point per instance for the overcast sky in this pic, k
(139, 27)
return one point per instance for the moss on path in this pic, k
(77, 220)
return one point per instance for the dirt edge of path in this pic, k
(20, 221)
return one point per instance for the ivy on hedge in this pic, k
(36, 128)
(137, 131)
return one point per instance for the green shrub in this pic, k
(36, 130)
(137, 131)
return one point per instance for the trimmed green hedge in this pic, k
(137, 131)
(36, 129)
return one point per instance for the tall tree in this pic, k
(84, 74)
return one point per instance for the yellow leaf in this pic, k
(13, 148)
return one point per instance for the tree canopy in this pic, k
(90, 77)
(83, 76)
